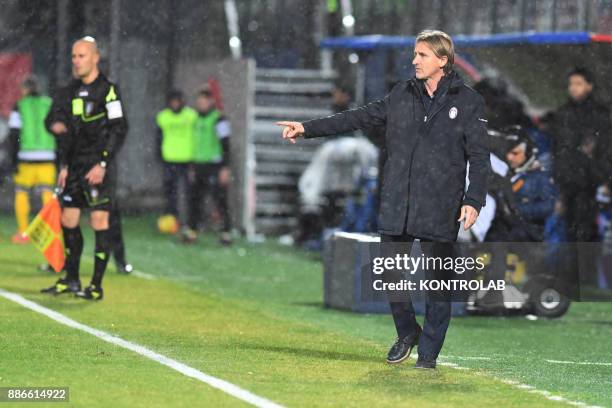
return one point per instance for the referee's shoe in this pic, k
(91, 292)
(63, 285)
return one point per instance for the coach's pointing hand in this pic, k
(292, 130)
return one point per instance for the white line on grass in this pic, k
(465, 357)
(547, 394)
(529, 388)
(579, 362)
(184, 369)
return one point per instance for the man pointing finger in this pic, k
(435, 126)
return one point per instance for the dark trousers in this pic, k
(205, 180)
(173, 174)
(437, 310)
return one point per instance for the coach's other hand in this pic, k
(292, 130)
(468, 215)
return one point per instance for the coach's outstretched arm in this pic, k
(370, 115)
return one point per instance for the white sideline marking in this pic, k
(452, 365)
(184, 369)
(546, 394)
(516, 384)
(578, 362)
(465, 357)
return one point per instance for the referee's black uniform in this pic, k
(61, 112)
(97, 128)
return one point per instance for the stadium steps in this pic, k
(284, 94)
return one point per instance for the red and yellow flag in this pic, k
(45, 232)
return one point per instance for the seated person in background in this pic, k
(524, 198)
(527, 197)
(533, 188)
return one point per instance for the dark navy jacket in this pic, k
(424, 176)
(535, 195)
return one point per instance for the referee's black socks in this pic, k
(73, 239)
(101, 256)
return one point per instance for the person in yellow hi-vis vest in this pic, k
(32, 152)
(176, 143)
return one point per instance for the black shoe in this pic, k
(63, 285)
(124, 268)
(91, 293)
(425, 363)
(402, 347)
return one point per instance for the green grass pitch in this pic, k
(252, 315)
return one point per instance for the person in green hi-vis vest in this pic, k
(32, 151)
(175, 132)
(210, 165)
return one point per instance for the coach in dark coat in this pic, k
(434, 127)
(424, 176)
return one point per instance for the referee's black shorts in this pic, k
(78, 193)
